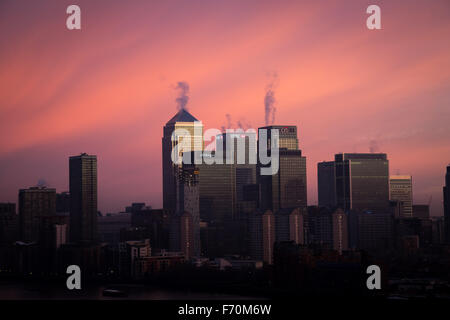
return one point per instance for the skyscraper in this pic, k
(222, 185)
(286, 188)
(182, 129)
(35, 203)
(83, 198)
(224, 191)
(188, 210)
(400, 189)
(262, 235)
(287, 137)
(447, 205)
(326, 183)
(362, 181)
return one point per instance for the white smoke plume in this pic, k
(183, 91)
(269, 99)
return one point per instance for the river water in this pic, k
(14, 291)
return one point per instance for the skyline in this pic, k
(109, 89)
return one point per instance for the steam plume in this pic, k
(269, 100)
(183, 98)
(373, 146)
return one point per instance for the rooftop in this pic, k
(182, 116)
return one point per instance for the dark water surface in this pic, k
(18, 291)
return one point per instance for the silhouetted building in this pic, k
(9, 223)
(286, 188)
(35, 203)
(83, 198)
(437, 230)
(188, 244)
(447, 205)
(109, 227)
(152, 224)
(131, 254)
(262, 235)
(88, 256)
(328, 228)
(54, 231)
(291, 265)
(407, 229)
(372, 230)
(289, 225)
(326, 183)
(7, 208)
(155, 264)
(137, 206)
(421, 211)
(362, 181)
(401, 190)
(188, 210)
(63, 202)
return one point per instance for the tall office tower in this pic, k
(286, 188)
(34, 204)
(289, 225)
(421, 211)
(362, 181)
(287, 137)
(182, 131)
(262, 235)
(401, 190)
(447, 205)
(326, 183)
(328, 227)
(224, 191)
(9, 223)
(241, 148)
(188, 210)
(222, 186)
(83, 198)
(188, 245)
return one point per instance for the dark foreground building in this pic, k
(447, 205)
(83, 198)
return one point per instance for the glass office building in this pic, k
(362, 181)
(400, 189)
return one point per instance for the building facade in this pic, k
(286, 188)
(447, 205)
(400, 189)
(35, 204)
(326, 183)
(181, 133)
(83, 198)
(362, 181)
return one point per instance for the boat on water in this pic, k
(114, 292)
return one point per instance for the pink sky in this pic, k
(108, 88)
